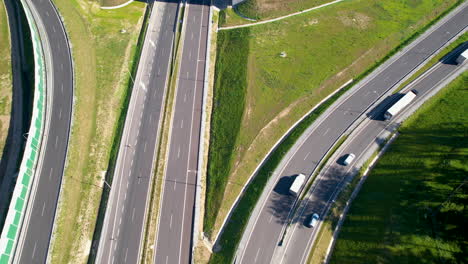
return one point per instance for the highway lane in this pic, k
(174, 239)
(39, 220)
(268, 224)
(328, 184)
(125, 216)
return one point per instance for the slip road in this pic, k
(35, 239)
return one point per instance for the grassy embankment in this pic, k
(201, 253)
(228, 101)
(347, 39)
(5, 77)
(266, 9)
(412, 208)
(111, 3)
(104, 49)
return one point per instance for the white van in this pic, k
(297, 184)
(349, 159)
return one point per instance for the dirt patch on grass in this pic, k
(354, 19)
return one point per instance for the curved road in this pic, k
(319, 198)
(263, 235)
(39, 219)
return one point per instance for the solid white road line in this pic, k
(43, 208)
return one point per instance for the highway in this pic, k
(124, 220)
(39, 219)
(264, 230)
(296, 249)
(174, 238)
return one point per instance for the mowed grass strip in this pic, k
(103, 46)
(229, 94)
(6, 85)
(412, 208)
(324, 49)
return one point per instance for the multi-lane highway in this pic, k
(373, 130)
(39, 219)
(122, 234)
(174, 239)
(265, 228)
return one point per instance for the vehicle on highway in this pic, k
(313, 220)
(462, 58)
(349, 159)
(399, 105)
(297, 184)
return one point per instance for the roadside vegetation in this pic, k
(412, 208)
(6, 86)
(109, 3)
(322, 50)
(266, 9)
(104, 45)
(229, 102)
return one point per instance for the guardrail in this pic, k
(19, 200)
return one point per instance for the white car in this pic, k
(313, 220)
(349, 159)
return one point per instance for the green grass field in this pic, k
(266, 9)
(228, 101)
(5, 77)
(324, 49)
(412, 208)
(112, 2)
(103, 46)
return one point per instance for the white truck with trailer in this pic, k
(399, 105)
(297, 184)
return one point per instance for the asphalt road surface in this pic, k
(318, 199)
(174, 239)
(39, 220)
(268, 225)
(121, 238)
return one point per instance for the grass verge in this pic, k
(203, 251)
(267, 9)
(229, 94)
(356, 37)
(104, 44)
(235, 226)
(411, 208)
(6, 82)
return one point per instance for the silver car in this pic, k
(313, 220)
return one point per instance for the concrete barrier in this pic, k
(19, 200)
